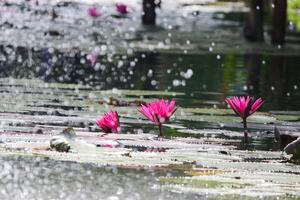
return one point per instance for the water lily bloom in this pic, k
(122, 8)
(244, 107)
(92, 58)
(158, 112)
(93, 12)
(109, 123)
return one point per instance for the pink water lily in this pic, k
(244, 107)
(94, 12)
(109, 123)
(92, 57)
(158, 112)
(122, 8)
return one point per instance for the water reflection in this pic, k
(210, 79)
(276, 78)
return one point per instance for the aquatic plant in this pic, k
(121, 8)
(93, 12)
(244, 107)
(158, 112)
(109, 123)
(92, 58)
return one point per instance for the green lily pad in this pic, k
(196, 139)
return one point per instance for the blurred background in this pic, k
(208, 49)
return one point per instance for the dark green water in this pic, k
(206, 79)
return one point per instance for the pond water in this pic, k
(196, 55)
(41, 178)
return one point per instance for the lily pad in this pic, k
(202, 145)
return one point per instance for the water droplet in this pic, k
(154, 82)
(295, 87)
(143, 78)
(188, 74)
(176, 82)
(150, 73)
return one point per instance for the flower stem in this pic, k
(245, 131)
(160, 130)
